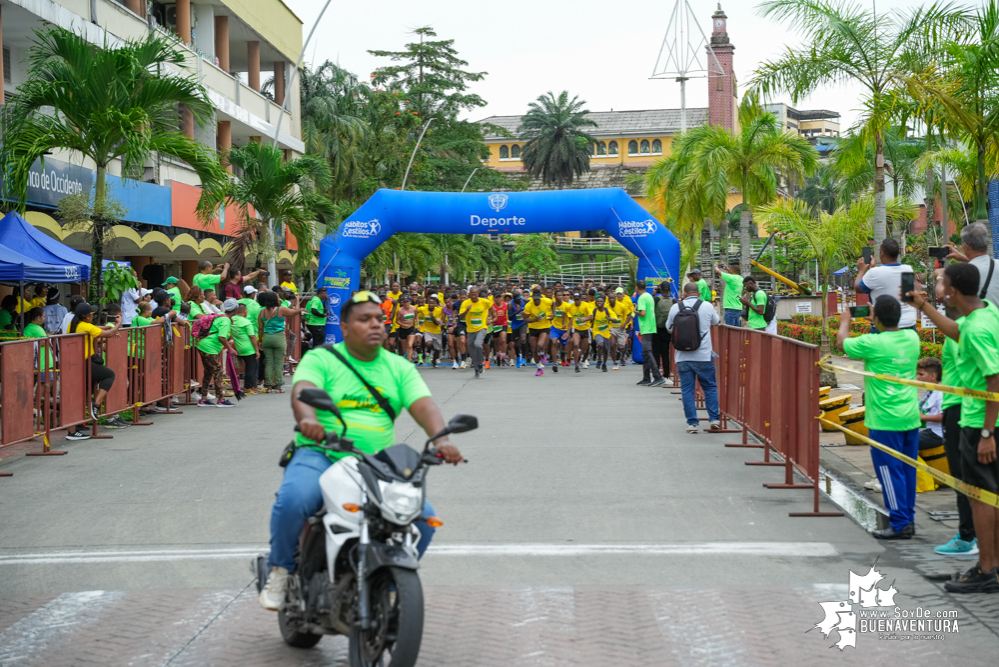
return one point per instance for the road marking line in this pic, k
(52, 624)
(782, 549)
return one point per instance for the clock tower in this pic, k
(723, 100)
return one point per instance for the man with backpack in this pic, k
(690, 322)
(760, 307)
(661, 339)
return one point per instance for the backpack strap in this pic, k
(377, 395)
(985, 287)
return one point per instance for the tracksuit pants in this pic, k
(898, 480)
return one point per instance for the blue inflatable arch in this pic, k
(390, 211)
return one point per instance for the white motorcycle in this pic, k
(355, 567)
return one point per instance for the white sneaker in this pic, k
(615, 367)
(586, 364)
(175, 400)
(195, 396)
(455, 367)
(272, 596)
(464, 364)
(691, 428)
(211, 396)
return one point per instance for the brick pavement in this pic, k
(485, 626)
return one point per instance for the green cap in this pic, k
(169, 280)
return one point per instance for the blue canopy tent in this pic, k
(15, 267)
(16, 232)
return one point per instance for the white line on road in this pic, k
(782, 549)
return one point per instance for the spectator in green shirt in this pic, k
(978, 368)
(733, 292)
(207, 279)
(34, 329)
(210, 349)
(703, 289)
(315, 317)
(755, 300)
(645, 309)
(892, 409)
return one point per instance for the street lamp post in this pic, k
(470, 178)
(415, 148)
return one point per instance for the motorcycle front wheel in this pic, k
(397, 621)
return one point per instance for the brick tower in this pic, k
(722, 98)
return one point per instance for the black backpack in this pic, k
(770, 310)
(687, 327)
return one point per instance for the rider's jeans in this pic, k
(299, 498)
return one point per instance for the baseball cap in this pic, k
(143, 291)
(170, 280)
(230, 305)
(693, 271)
(619, 290)
(84, 309)
(249, 289)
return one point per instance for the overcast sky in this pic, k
(604, 52)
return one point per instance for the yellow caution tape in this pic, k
(980, 495)
(958, 391)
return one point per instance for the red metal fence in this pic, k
(770, 385)
(46, 385)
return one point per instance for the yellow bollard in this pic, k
(854, 421)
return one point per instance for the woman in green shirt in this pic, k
(7, 308)
(196, 298)
(34, 329)
(271, 329)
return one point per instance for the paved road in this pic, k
(588, 528)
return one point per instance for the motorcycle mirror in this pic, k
(463, 423)
(318, 399)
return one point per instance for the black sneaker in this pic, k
(604, 368)
(77, 434)
(657, 383)
(975, 581)
(116, 422)
(477, 374)
(890, 533)
(577, 368)
(93, 410)
(643, 383)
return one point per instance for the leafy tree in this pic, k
(853, 161)
(557, 147)
(820, 191)
(281, 193)
(108, 104)
(750, 160)
(845, 42)
(533, 255)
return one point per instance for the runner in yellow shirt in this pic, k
(561, 331)
(579, 311)
(538, 315)
(603, 319)
(433, 317)
(619, 333)
(478, 318)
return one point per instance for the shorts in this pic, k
(517, 329)
(401, 333)
(619, 336)
(601, 341)
(459, 330)
(983, 475)
(534, 333)
(557, 335)
(498, 329)
(388, 329)
(583, 334)
(434, 340)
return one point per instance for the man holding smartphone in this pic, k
(887, 279)
(975, 251)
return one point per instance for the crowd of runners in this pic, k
(483, 326)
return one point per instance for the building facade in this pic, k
(229, 46)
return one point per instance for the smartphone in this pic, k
(908, 285)
(939, 253)
(867, 254)
(860, 311)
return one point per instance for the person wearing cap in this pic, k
(101, 375)
(252, 310)
(210, 350)
(315, 317)
(702, 285)
(54, 312)
(288, 282)
(173, 289)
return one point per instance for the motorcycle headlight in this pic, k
(402, 499)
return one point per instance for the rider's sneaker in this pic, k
(958, 547)
(272, 595)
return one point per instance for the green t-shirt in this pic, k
(252, 309)
(35, 331)
(242, 329)
(137, 341)
(174, 293)
(314, 320)
(977, 358)
(196, 311)
(756, 321)
(369, 426)
(647, 324)
(5, 319)
(210, 344)
(733, 290)
(704, 289)
(207, 281)
(951, 376)
(890, 406)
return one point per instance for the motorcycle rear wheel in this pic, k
(397, 611)
(292, 637)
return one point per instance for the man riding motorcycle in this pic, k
(371, 427)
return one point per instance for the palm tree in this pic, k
(853, 160)
(556, 148)
(106, 104)
(333, 124)
(750, 160)
(489, 255)
(820, 191)
(844, 42)
(281, 193)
